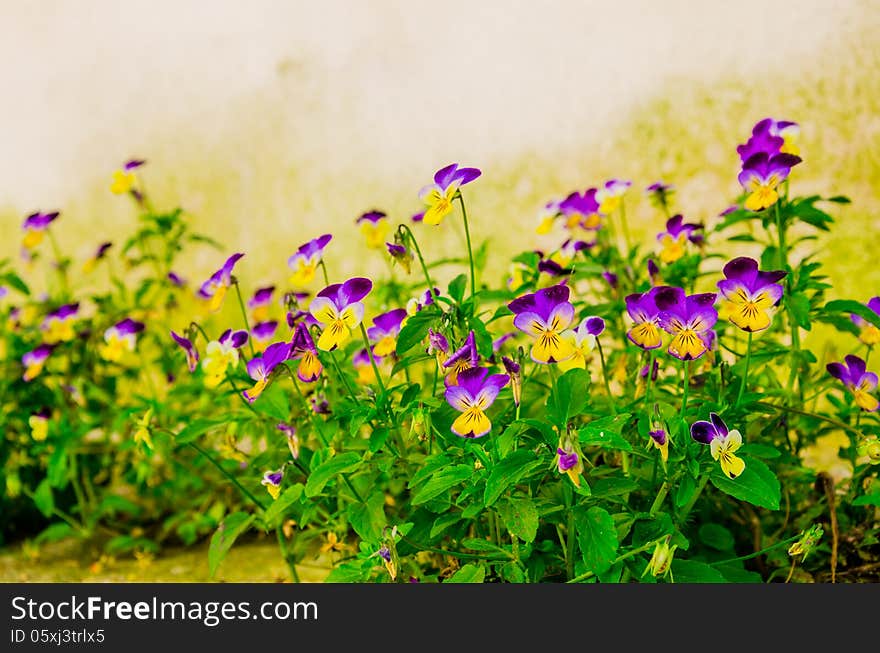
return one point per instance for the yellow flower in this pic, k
(723, 449)
(39, 424)
(123, 182)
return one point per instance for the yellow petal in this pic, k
(333, 336)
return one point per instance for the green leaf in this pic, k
(286, 499)
(197, 428)
(605, 432)
(852, 306)
(799, 308)
(457, 287)
(867, 500)
(734, 573)
(224, 537)
(12, 279)
(415, 330)
(757, 484)
(597, 538)
(56, 471)
(470, 573)
(716, 536)
(368, 519)
(442, 480)
(55, 533)
(274, 402)
(349, 572)
(521, 517)
(477, 544)
(570, 396)
(43, 498)
(692, 571)
(508, 472)
(338, 464)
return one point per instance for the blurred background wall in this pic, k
(272, 122)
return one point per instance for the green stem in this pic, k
(342, 377)
(649, 380)
(620, 558)
(605, 376)
(569, 548)
(685, 511)
(796, 411)
(415, 245)
(372, 359)
(59, 263)
(229, 476)
(623, 226)
(324, 270)
(288, 558)
(757, 553)
(467, 235)
(244, 316)
(742, 385)
(687, 383)
(658, 500)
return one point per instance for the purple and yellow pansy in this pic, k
(723, 443)
(475, 391)
(749, 295)
(546, 315)
(338, 307)
(855, 377)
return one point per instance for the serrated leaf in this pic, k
(520, 517)
(286, 499)
(508, 472)
(597, 538)
(224, 537)
(338, 464)
(757, 484)
(470, 573)
(442, 480)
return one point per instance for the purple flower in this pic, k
(402, 255)
(438, 346)
(688, 318)
(234, 339)
(545, 315)
(581, 210)
(58, 324)
(611, 279)
(642, 308)
(220, 354)
(35, 226)
(498, 343)
(34, 360)
(772, 137)
(660, 440)
(749, 294)
(374, 227)
(611, 195)
(653, 271)
(384, 331)
(272, 481)
(304, 262)
(319, 404)
(659, 193)
(569, 460)
(124, 179)
(475, 392)
(120, 339)
(90, 263)
(260, 302)
(438, 196)
(303, 349)
(566, 461)
(583, 339)
(464, 358)
(214, 289)
(761, 175)
(419, 302)
(868, 333)
(547, 216)
(339, 309)
(192, 354)
(263, 332)
(854, 375)
(677, 234)
(260, 367)
(513, 370)
(722, 443)
(292, 438)
(417, 217)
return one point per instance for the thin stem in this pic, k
(685, 511)
(687, 383)
(288, 558)
(649, 380)
(757, 553)
(620, 558)
(789, 409)
(372, 359)
(605, 376)
(623, 225)
(59, 263)
(324, 270)
(415, 245)
(661, 495)
(742, 386)
(245, 318)
(342, 377)
(467, 235)
(229, 476)
(569, 549)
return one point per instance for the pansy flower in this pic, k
(584, 341)
(559, 261)
(34, 360)
(220, 354)
(120, 339)
(581, 210)
(642, 308)
(35, 226)
(57, 326)
(689, 319)
(262, 333)
(272, 481)
(338, 307)
(100, 253)
(868, 333)
(304, 262)
(611, 195)
(761, 175)
(39, 423)
(569, 463)
(660, 193)
(289, 432)
(125, 178)
(723, 444)
(464, 358)
(375, 227)
(653, 272)
(545, 315)
(854, 375)
(260, 303)
(415, 304)
(660, 439)
(303, 349)
(749, 294)
(192, 354)
(360, 360)
(384, 331)
(438, 346)
(260, 367)
(214, 289)
(438, 196)
(547, 216)
(401, 255)
(475, 392)
(513, 370)
(773, 137)
(673, 240)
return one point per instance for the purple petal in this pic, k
(595, 325)
(472, 379)
(718, 423)
(388, 323)
(264, 330)
(354, 290)
(371, 216)
(276, 353)
(856, 366)
(874, 304)
(838, 371)
(703, 432)
(261, 296)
